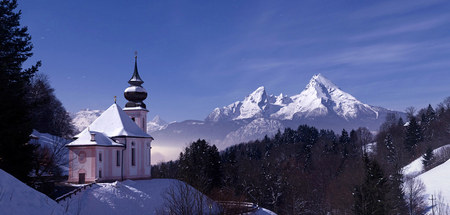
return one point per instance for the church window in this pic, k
(82, 157)
(117, 158)
(100, 173)
(100, 157)
(133, 157)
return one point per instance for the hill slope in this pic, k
(18, 198)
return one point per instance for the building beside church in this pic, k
(116, 145)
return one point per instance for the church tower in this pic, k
(136, 94)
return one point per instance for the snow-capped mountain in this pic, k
(253, 106)
(84, 118)
(156, 124)
(320, 98)
(254, 130)
(321, 104)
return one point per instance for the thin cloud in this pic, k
(408, 28)
(382, 53)
(393, 8)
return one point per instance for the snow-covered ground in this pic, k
(263, 211)
(437, 181)
(416, 167)
(128, 197)
(19, 199)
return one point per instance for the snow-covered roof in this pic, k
(99, 139)
(114, 122)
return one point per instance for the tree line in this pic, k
(27, 101)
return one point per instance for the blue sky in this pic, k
(198, 55)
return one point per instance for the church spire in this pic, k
(135, 93)
(135, 79)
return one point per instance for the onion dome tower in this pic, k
(136, 94)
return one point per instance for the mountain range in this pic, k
(321, 104)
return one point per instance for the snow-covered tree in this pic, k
(428, 157)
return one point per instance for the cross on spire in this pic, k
(135, 79)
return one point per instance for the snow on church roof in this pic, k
(93, 138)
(114, 122)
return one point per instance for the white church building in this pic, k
(116, 145)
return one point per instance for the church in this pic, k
(116, 145)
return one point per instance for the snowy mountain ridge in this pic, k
(84, 118)
(319, 98)
(156, 124)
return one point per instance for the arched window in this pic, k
(82, 157)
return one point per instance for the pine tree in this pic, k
(413, 135)
(400, 122)
(200, 166)
(428, 157)
(344, 141)
(15, 127)
(427, 119)
(392, 157)
(396, 197)
(370, 197)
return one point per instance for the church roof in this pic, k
(114, 122)
(85, 139)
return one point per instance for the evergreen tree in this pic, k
(428, 157)
(344, 141)
(200, 166)
(413, 134)
(428, 117)
(369, 198)
(391, 151)
(396, 197)
(400, 122)
(15, 127)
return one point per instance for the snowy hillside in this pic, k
(129, 197)
(84, 118)
(18, 198)
(416, 167)
(437, 182)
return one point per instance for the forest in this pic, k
(312, 171)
